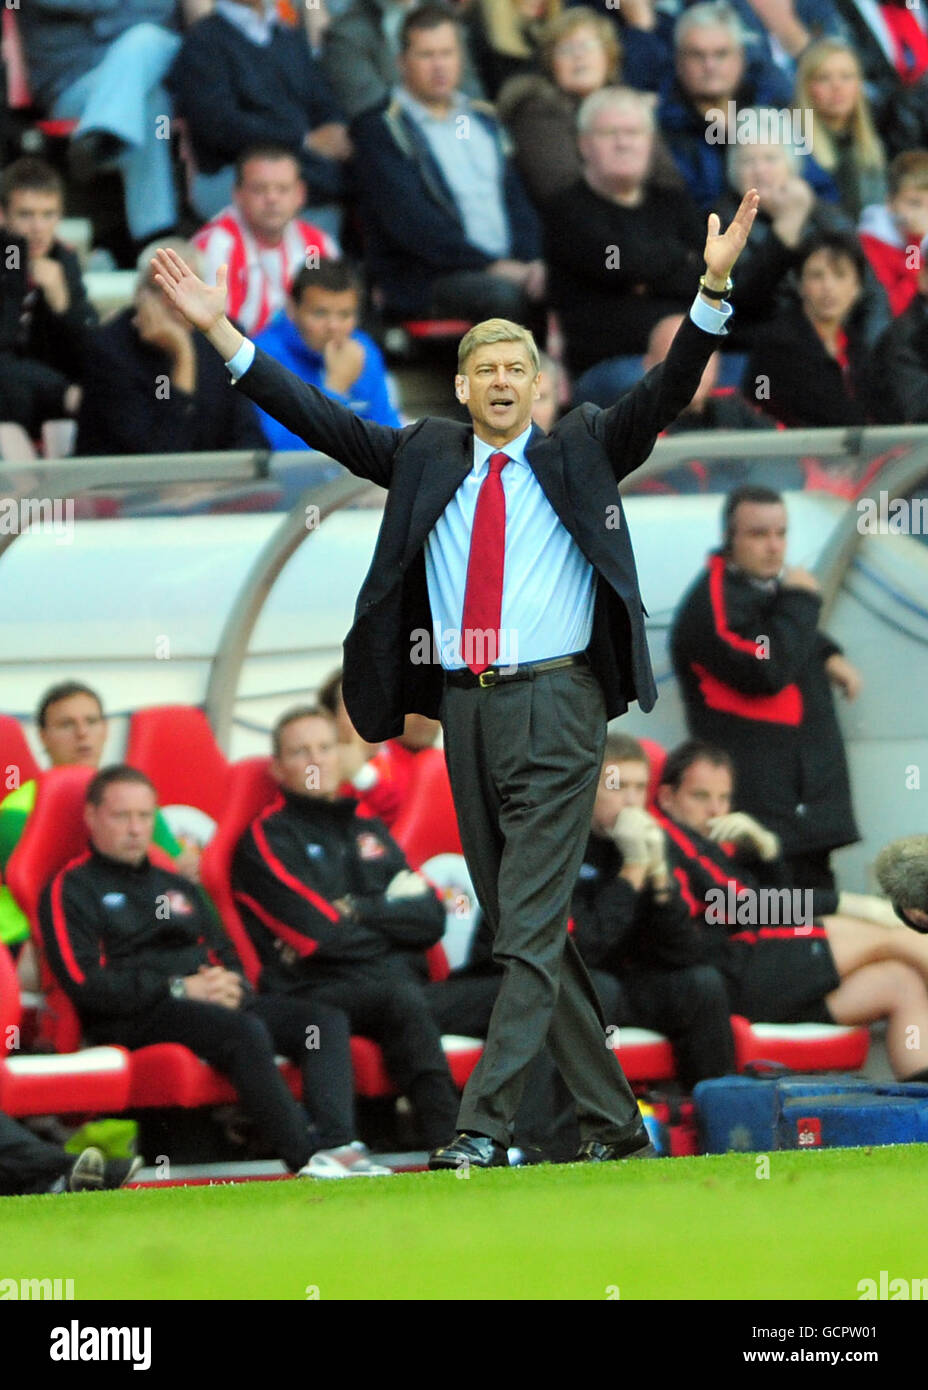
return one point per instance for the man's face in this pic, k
(764, 167)
(307, 764)
(121, 826)
(758, 543)
(710, 64)
(431, 65)
(35, 216)
(74, 732)
(620, 785)
(704, 792)
(499, 387)
(324, 316)
(910, 208)
(617, 146)
(829, 287)
(270, 195)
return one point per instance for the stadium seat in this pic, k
(248, 790)
(92, 1081)
(801, 1046)
(15, 753)
(657, 756)
(175, 746)
(428, 823)
(645, 1056)
(54, 834)
(19, 94)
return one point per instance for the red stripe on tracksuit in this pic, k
(785, 707)
(60, 922)
(691, 852)
(777, 933)
(280, 870)
(303, 945)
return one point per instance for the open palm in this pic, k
(202, 305)
(723, 250)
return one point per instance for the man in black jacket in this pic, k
(336, 914)
(242, 77)
(523, 733)
(786, 954)
(900, 364)
(45, 314)
(137, 951)
(646, 956)
(153, 387)
(449, 227)
(755, 674)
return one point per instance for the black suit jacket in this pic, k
(578, 466)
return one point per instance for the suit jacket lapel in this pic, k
(441, 479)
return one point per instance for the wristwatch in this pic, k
(177, 988)
(716, 294)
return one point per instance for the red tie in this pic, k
(483, 595)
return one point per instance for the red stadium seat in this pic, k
(436, 328)
(175, 746)
(249, 788)
(801, 1046)
(53, 835)
(657, 756)
(15, 753)
(428, 823)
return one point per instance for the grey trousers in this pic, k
(524, 759)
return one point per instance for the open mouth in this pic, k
(502, 403)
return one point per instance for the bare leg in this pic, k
(893, 991)
(854, 943)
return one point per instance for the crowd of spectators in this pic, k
(548, 163)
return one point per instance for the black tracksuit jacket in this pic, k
(297, 858)
(774, 713)
(115, 935)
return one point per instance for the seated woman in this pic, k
(829, 84)
(622, 249)
(503, 37)
(789, 214)
(809, 366)
(580, 53)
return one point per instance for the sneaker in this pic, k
(118, 1171)
(350, 1161)
(87, 1175)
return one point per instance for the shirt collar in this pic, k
(515, 450)
(421, 114)
(254, 25)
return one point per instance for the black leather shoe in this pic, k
(470, 1151)
(638, 1146)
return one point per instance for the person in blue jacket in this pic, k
(318, 338)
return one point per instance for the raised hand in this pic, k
(202, 305)
(723, 249)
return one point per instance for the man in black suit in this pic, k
(523, 737)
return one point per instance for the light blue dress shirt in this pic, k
(547, 608)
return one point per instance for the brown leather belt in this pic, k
(524, 672)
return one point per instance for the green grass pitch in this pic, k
(693, 1228)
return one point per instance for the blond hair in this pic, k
(582, 17)
(497, 331)
(867, 146)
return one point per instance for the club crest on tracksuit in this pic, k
(369, 847)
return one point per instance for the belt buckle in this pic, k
(482, 680)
